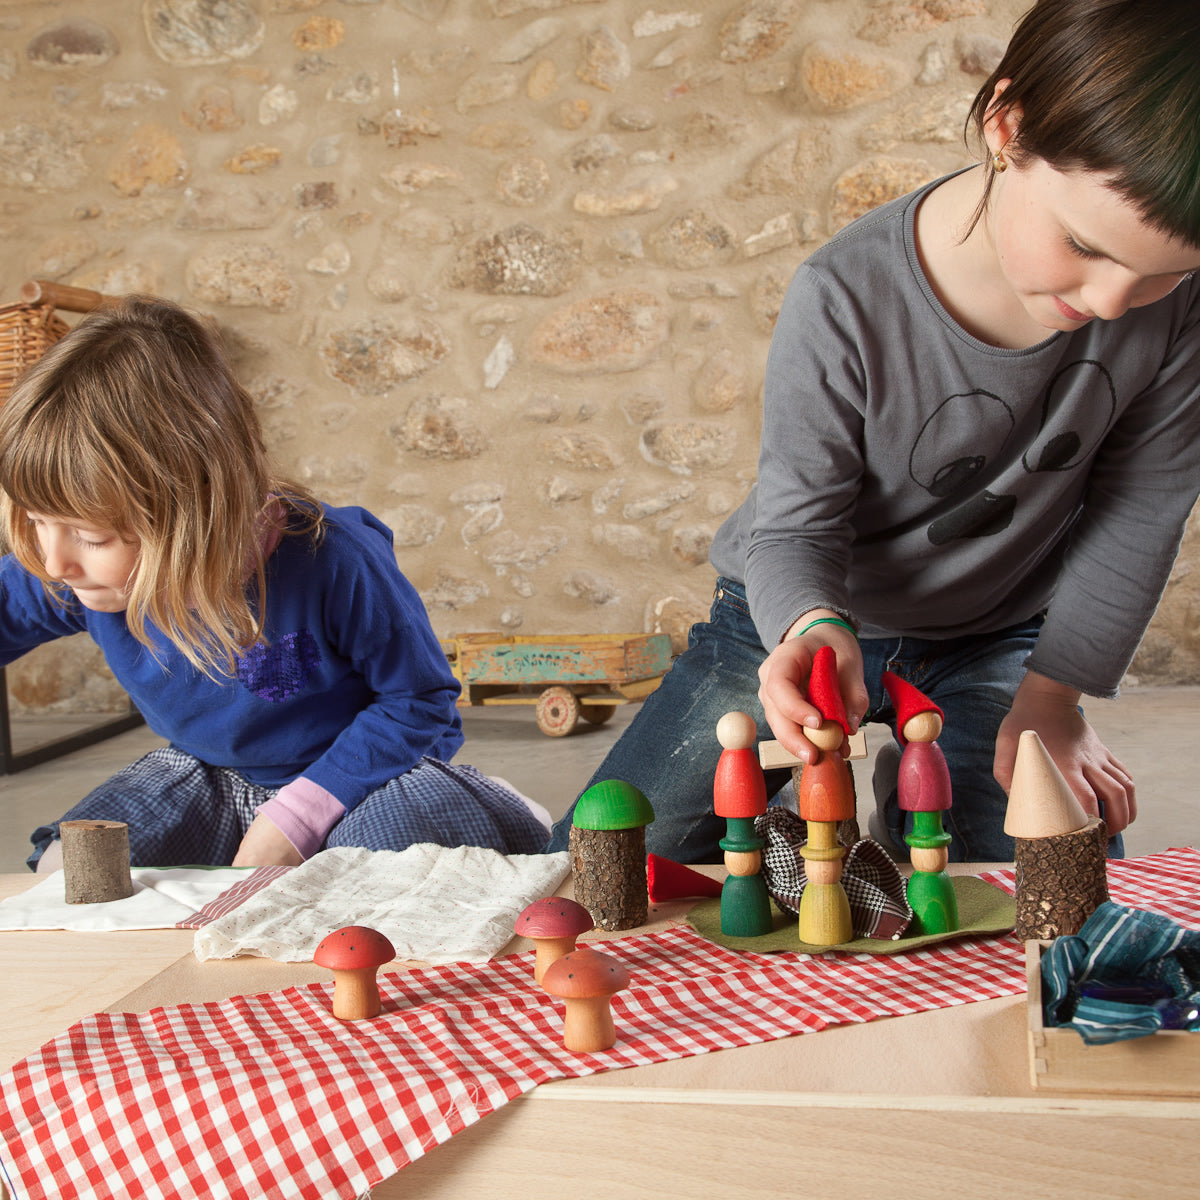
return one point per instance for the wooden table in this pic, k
(937, 1105)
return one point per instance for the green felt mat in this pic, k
(982, 908)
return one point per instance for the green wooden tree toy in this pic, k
(608, 853)
(740, 795)
(923, 789)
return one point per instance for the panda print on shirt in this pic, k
(960, 446)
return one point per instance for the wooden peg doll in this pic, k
(825, 797)
(740, 795)
(923, 789)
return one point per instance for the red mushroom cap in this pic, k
(554, 917)
(352, 948)
(585, 974)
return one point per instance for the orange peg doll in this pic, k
(824, 797)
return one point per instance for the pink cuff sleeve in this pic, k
(304, 812)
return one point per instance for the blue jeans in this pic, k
(670, 749)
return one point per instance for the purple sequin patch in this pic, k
(280, 670)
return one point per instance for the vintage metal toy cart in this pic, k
(565, 677)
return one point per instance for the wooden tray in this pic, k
(1163, 1064)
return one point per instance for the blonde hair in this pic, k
(134, 423)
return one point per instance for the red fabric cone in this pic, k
(824, 691)
(668, 880)
(907, 700)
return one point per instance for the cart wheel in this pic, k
(557, 711)
(597, 714)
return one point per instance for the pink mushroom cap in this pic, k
(554, 917)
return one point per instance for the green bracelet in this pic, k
(828, 621)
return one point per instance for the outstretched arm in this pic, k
(265, 846)
(1093, 773)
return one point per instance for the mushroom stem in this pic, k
(588, 1025)
(355, 994)
(548, 950)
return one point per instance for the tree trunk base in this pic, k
(95, 861)
(609, 866)
(1061, 881)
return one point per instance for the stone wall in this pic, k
(504, 271)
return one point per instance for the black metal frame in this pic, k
(10, 763)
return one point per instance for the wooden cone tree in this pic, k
(1061, 876)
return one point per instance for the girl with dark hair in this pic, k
(980, 445)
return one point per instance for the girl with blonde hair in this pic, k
(271, 639)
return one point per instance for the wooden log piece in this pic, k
(1060, 881)
(609, 866)
(95, 861)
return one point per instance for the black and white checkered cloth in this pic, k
(876, 890)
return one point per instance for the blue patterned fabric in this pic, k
(282, 669)
(1125, 974)
(182, 812)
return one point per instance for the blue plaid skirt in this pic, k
(182, 812)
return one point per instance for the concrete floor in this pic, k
(1152, 730)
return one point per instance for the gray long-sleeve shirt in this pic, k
(933, 485)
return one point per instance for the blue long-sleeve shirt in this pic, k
(350, 689)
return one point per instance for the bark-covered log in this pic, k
(95, 861)
(1061, 880)
(609, 866)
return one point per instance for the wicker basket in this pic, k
(31, 326)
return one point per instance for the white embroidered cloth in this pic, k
(162, 898)
(435, 904)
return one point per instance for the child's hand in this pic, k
(1093, 774)
(783, 681)
(264, 846)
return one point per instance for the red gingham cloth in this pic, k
(269, 1096)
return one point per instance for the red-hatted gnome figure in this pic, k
(740, 795)
(824, 797)
(923, 789)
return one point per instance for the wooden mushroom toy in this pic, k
(585, 980)
(608, 853)
(354, 954)
(552, 925)
(740, 795)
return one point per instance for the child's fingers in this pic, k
(1115, 794)
(783, 679)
